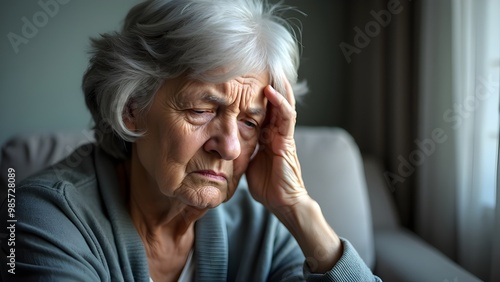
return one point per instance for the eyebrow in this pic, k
(221, 101)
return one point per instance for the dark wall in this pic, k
(323, 65)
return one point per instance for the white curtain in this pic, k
(458, 210)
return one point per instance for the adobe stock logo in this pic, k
(362, 38)
(454, 117)
(31, 26)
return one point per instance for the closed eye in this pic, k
(200, 111)
(250, 123)
(200, 116)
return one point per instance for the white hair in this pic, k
(163, 39)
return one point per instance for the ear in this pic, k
(129, 116)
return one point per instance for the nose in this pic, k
(224, 140)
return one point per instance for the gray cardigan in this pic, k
(72, 225)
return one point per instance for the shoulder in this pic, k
(69, 187)
(76, 170)
(61, 222)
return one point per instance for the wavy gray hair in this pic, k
(162, 39)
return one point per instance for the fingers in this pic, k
(283, 114)
(289, 94)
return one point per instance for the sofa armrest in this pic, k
(382, 205)
(403, 256)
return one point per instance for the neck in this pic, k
(173, 219)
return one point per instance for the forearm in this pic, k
(319, 242)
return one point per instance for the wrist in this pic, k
(319, 242)
(296, 214)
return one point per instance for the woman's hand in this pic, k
(274, 176)
(275, 180)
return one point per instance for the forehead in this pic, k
(249, 86)
(244, 85)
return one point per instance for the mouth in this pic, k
(212, 175)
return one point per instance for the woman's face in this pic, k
(199, 137)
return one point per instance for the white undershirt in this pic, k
(187, 274)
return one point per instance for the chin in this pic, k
(206, 197)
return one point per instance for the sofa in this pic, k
(348, 186)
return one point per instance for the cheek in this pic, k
(166, 151)
(177, 150)
(239, 167)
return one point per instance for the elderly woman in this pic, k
(187, 98)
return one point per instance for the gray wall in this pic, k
(40, 81)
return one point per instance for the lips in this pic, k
(218, 176)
